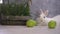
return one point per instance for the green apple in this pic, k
(52, 24)
(30, 23)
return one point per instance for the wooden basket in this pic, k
(14, 20)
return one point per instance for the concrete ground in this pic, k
(26, 30)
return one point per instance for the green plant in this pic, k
(16, 10)
(5, 9)
(13, 10)
(26, 10)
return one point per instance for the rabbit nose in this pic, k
(41, 20)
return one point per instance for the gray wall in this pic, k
(52, 5)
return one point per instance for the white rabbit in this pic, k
(43, 19)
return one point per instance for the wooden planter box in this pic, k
(14, 20)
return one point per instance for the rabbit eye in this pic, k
(44, 17)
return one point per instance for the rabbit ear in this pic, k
(41, 10)
(46, 12)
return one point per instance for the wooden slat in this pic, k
(15, 17)
(14, 22)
